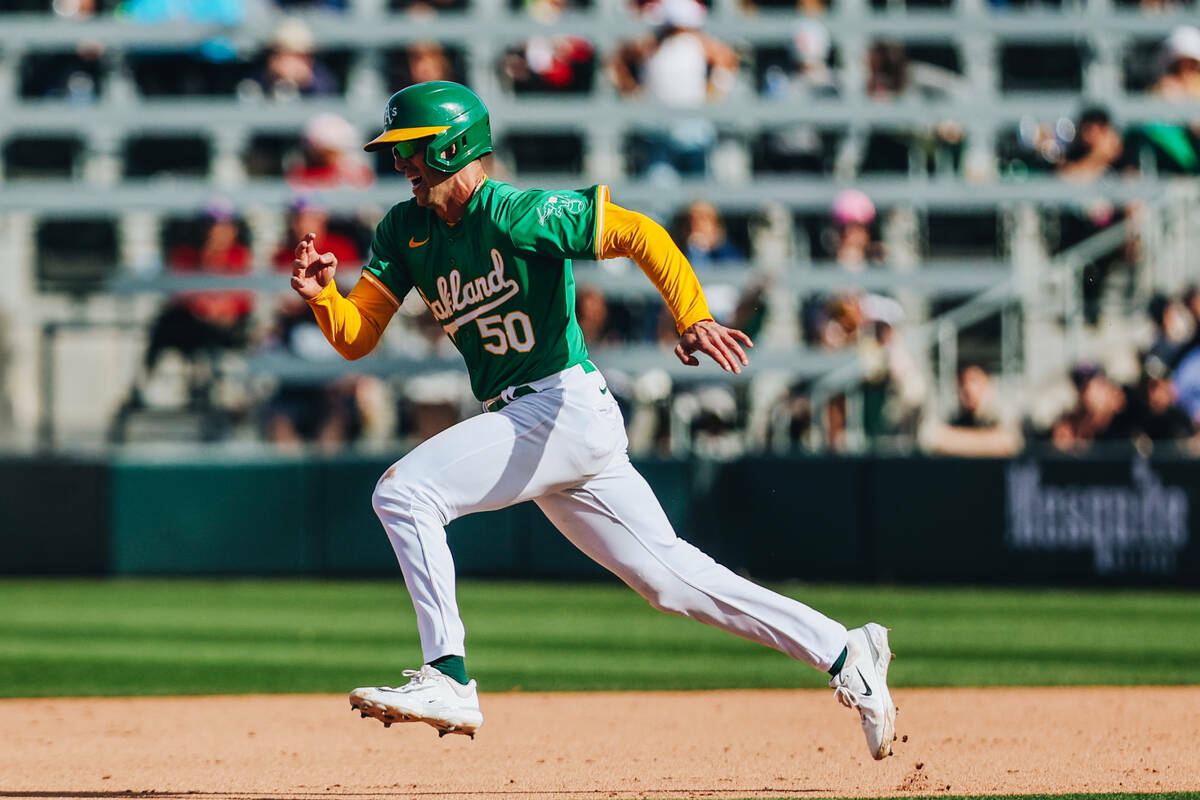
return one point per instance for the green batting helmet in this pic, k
(449, 112)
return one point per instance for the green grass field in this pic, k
(132, 637)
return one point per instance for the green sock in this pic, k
(452, 667)
(837, 665)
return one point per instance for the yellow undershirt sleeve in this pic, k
(353, 324)
(636, 236)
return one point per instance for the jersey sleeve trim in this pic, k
(378, 284)
(601, 199)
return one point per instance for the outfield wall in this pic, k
(894, 519)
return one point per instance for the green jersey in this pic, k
(499, 280)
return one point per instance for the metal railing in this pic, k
(1055, 290)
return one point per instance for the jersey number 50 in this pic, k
(514, 330)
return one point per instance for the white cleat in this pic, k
(862, 684)
(429, 697)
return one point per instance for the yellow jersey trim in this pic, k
(601, 199)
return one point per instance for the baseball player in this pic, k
(493, 264)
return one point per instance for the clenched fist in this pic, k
(311, 271)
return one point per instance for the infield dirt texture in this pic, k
(735, 744)
(196, 637)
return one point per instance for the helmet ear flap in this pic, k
(455, 148)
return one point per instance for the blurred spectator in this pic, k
(421, 62)
(203, 322)
(700, 233)
(1172, 329)
(894, 387)
(712, 416)
(812, 8)
(975, 429)
(291, 69)
(423, 9)
(1097, 149)
(808, 71)
(930, 71)
(1186, 378)
(76, 9)
(591, 311)
(678, 67)
(854, 246)
(559, 63)
(1159, 416)
(331, 156)
(331, 414)
(305, 216)
(432, 403)
(1156, 6)
(1175, 149)
(76, 76)
(840, 320)
(1102, 413)
(887, 70)
(1180, 78)
(1190, 301)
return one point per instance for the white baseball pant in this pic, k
(565, 448)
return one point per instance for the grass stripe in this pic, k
(119, 637)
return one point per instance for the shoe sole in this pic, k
(389, 714)
(881, 657)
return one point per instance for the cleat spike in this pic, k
(387, 724)
(441, 734)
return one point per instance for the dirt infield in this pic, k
(733, 744)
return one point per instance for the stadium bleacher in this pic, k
(117, 135)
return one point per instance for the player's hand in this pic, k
(723, 345)
(311, 271)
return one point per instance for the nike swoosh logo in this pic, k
(412, 241)
(603, 390)
(866, 685)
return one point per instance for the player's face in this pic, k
(410, 159)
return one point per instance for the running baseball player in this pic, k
(493, 264)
